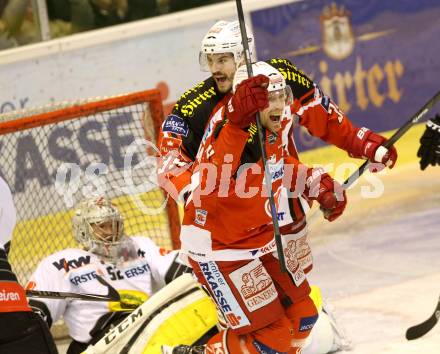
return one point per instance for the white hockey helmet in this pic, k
(277, 83)
(99, 227)
(225, 37)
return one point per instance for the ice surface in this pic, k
(379, 264)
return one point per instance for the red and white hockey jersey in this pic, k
(227, 215)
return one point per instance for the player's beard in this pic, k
(223, 82)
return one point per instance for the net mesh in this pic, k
(53, 160)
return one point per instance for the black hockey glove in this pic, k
(429, 151)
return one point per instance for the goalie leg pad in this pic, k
(179, 313)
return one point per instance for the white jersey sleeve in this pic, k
(159, 259)
(46, 277)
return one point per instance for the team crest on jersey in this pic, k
(292, 263)
(276, 197)
(175, 124)
(255, 285)
(272, 138)
(169, 144)
(201, 216)
(337, 33)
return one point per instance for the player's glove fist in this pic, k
(368, 145)
(328, 192)
(429, 151)
(250, 97)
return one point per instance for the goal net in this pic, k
(54, 157)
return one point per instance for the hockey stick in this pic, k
(395, 137)
(391, 141)
(421, 329)
(113, 295)
(267, 175)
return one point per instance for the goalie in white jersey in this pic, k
(134, 266)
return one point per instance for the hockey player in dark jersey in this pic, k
(22, 331)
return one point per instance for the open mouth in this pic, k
(220, 79)
(275, 118)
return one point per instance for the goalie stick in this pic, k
(112, 295)
(421, 329)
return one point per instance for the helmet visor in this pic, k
(284, 95)
(215, 61)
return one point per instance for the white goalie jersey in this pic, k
(75, 270)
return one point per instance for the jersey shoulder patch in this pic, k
(176, 125)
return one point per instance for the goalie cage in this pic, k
(33, 146)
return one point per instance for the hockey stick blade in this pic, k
(112, 292)
(421, 329)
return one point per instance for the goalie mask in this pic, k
(225, 37)
(98, 226)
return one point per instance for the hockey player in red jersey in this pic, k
(227, 231)
(182, 131)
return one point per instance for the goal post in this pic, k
(54, 157)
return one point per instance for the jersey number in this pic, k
(114, 275)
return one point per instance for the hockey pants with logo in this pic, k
(264, 310)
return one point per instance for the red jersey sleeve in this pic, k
(173, 164)
(324, 119)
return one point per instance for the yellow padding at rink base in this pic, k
(185, 326)
(316, 296)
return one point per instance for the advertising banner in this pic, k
(377, 59)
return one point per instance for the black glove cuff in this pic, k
(434, 123)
